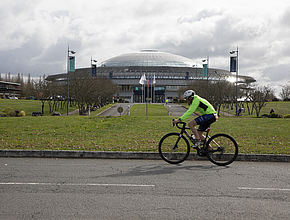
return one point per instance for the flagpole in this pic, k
(154, 82)
(236, 69)
(69, 70)
(141, 91)
(237, 81)
(152, 89)
(67, 66)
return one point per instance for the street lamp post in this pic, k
(68, 71)
(235, 67)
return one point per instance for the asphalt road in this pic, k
(142, 189)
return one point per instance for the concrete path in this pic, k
(113, 111)
(175, 109)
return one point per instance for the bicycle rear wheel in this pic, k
(222, 149)
(174, 148)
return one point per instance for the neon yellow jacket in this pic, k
(198, 105)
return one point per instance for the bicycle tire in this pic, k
(222, 149)
(174, 148)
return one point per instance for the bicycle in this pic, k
(220, 149)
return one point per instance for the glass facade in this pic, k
(148, 58)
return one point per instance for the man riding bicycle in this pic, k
(207, 115)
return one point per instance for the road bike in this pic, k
(220, 149)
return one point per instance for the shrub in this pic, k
(21, 113)
(3, 114)
(275, 115)
(286, 116)
(10, 112)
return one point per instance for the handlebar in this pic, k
(182, 123)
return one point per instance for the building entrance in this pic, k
(154, 95)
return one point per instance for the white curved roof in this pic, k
(149, 58)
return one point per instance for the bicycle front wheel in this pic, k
(174, 148)
(222, 149)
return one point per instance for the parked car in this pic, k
(12, 97)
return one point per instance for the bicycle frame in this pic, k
(183, 131)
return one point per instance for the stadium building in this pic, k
(165, 74)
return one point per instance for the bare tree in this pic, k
(285, 93)
(216, 92)
(258, 97)
(90, 91)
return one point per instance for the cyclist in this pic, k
(207, 115)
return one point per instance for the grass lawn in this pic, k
(29, 106)
(281, 108)
(152, 110)
(134, 133)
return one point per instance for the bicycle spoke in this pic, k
(176, 153)
(222, 149)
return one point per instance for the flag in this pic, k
(71, 65)
(233, 64)
(142, 79)
(154, 79)
(204, 70)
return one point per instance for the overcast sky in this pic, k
(35, 33)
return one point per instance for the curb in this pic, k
(129, 155)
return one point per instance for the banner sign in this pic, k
(94, 70)
(204, 70)
(71, 64)
(233, 64)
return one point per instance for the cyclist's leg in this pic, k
(198, 133)
(202, 137)
(192, 125)
(204, 122)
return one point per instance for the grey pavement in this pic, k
(113, 111)
(33, 188)
(175, 109)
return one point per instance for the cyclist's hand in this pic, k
(175, 121)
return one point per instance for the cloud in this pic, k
(35, 33)
(277, 72)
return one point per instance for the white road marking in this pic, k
(80, 184)
(265, 189)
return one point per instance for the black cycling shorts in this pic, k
(205, 121)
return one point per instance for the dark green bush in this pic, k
(275, 115)
(12, 113)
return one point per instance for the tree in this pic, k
(90, 91)
(216, 92)
(258, 97)
(285, 93)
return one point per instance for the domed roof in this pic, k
(149, 58)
